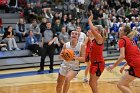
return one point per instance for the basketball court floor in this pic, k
(27, 80)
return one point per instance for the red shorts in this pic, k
(97, 68)
(134, 71)
(87, 57)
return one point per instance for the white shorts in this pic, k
(65, 68)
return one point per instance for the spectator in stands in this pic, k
(38, 11)
(3, 46)
(48, 14)
(57, 15)
(21, 30)
(64, 20)
(70, 17)
(32, 43)
(57, 45)
(8, 37)
(78, 22)
(29, 13)
(90, 6)
(71, 26)
(100, 17)
(43, 25)
(36, 30)
(132, 23)
(121, 12)
(63, 36)
(57, 26)
(48, 39)
(127, 23)
(1, 28)
(95, 14)
(31, 1)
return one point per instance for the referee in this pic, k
(49, 36)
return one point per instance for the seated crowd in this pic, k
(112, 18)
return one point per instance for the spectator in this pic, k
(1, 28)
(29, 13)
(48, 14)
(8, 37)
(63, 36)
(43, 25)
(31, 1)
(57, 45)
(32, 44)
(21, 30)
(121, 12)
(36, 30)
(3, 46)
(57, 15)
(57, 26)
(78, 22)
(64, 20)
(38, 11)
(71, 26)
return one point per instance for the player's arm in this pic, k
(122, 68)
(86, 40)
(81, 58)
(62, 50)
(97, 36)
(120, 59)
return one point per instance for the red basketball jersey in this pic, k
(96, 52)
(132, 52)
(88, 46)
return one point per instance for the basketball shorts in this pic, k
(64, 69)
(87, 57)
(97, 68)
(134, 71)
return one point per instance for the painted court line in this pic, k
(31, 73)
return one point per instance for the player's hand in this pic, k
(62, 54)
(110, 68)
(91, 16)
(122, 69)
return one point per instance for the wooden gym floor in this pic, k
(27, 80)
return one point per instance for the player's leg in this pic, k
(123, 84)
(71, 74)
(93, 82)
(85, 79)
(60, 82)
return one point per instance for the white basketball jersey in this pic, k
(76, 49)
(76, 52)
(72, 65)
(82, 37)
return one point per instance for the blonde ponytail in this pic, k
(132, 34)
(101, 30)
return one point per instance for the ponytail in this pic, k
(132, 34)
(101, 30)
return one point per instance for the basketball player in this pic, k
(130, 52)
(69, 70)
(82, 38)
(87, 54)
(97, 61)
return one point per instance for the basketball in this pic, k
(68, 54)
